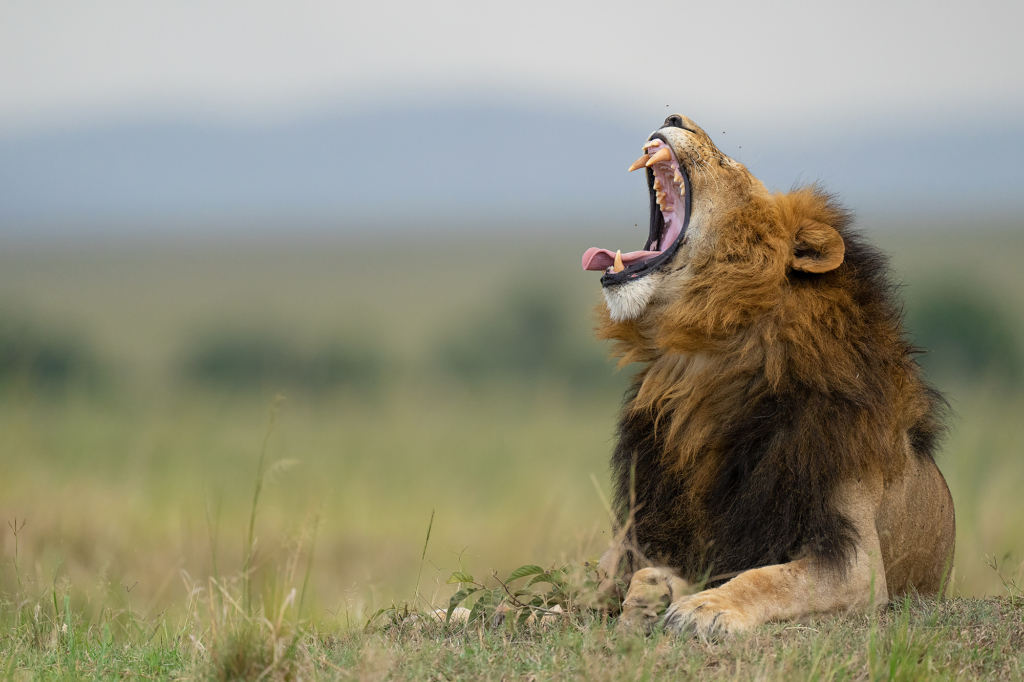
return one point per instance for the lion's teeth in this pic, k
(657, 184)
(662, 155)
(652, 143)
(639, 163)
(618, 267)
(678, 178)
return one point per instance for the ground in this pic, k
(965, 639)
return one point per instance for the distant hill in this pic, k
(483, 163)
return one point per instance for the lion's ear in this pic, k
(817, 247)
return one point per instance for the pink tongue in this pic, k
(602, 259)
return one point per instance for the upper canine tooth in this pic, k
(662, 155)
(639, 163)
(618, 267)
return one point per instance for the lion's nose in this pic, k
(673, 121)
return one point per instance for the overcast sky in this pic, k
(760, 63)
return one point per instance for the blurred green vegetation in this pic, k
(257, 361)
(967, 335)
(44, 361)
(458, 383)
(526, 335)
(522, 335)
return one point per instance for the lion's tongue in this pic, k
(602, 259)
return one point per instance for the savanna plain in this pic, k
(271, 458)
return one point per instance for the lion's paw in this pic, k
(709, 613)
(651, 591)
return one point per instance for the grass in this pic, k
(144, 546)
(124, 544)
(912, 640)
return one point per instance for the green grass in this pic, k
(137, 499)
(912, 640)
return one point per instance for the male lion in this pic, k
(779, 432)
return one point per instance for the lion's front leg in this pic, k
(792, 590)
(781, 592)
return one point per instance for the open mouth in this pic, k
(669, 188)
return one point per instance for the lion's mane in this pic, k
(764, 388)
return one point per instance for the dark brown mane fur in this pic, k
(763, 389)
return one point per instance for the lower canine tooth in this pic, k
(618, 267)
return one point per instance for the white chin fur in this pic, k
(627, 301)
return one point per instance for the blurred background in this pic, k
(377, 210)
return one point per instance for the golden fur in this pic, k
(779, 422)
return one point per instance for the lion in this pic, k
(776, 447)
